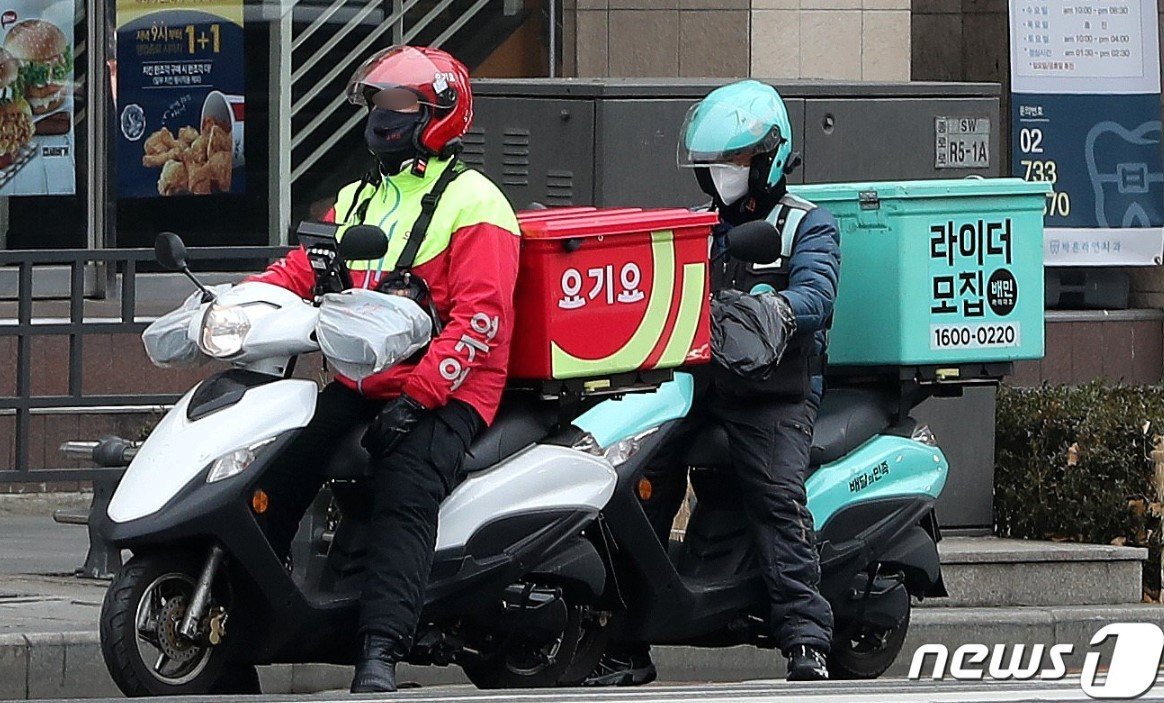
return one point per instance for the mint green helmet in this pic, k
(736, 123)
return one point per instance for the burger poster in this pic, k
(180, 87)
(36, 98)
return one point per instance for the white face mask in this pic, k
(731, 181)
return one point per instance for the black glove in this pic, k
(749, 333)
(396, 420)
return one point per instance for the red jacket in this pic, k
(469, 261)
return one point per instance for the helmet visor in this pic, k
(721, 133)
(388, 75)
(395, 99)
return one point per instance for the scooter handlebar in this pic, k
(108, 452)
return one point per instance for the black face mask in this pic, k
(390, 137)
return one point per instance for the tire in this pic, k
(194, 669)
(508, 667)
(591, 646)
(858, 653)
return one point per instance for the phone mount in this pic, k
(318, 239)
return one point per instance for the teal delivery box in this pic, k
(937, 273)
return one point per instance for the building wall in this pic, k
(863, 40)
(961, 40)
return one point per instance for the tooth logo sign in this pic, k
(1124, 187)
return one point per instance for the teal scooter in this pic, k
(875, 476)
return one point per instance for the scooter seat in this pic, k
(848, 417)
(520, 422)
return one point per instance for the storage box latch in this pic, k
(869, 214)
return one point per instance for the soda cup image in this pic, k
(228, 111)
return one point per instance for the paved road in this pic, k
(755, 692)
(31, 604)
(34, 544)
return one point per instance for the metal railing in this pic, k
(376, 23)
(117, 264)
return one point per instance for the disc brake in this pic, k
(218, 618)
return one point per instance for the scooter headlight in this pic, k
(225, 327)
(236, 462)
(618, 453)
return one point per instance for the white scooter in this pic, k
(205, 598)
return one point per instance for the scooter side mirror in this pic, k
(170, 251)
(363, 243)
(755, 242)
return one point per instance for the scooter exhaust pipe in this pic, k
(201, 597)
(538, 613)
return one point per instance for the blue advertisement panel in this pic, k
(180, 88)
(1101, 153)
(1085, 117)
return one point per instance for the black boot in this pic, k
(624, 665)
(376, 668)
(806, 664)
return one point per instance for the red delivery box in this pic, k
(609, 291)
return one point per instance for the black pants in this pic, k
(410, 483)
(769, 443)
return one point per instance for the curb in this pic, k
(69, 664)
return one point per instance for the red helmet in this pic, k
(400, 75)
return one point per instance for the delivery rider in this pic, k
(424, 414)
(739, 142)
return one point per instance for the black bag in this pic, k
(749, 333)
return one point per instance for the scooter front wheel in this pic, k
(145, 654)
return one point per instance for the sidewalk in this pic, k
(49, 646)
(46, 617)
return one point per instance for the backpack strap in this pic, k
(428, 206)
(786, 217)
(360, 207)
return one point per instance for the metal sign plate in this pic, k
(962, 142)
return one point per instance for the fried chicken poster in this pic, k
(180, 86)
(36, 98)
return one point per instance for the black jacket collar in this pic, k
(753, 207)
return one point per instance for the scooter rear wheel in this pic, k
(139, 619)
(860, 652)
(525, 665)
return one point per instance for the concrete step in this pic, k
(989, 572)
(952, 627)
(69, 664)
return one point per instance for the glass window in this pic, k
(222, 120)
